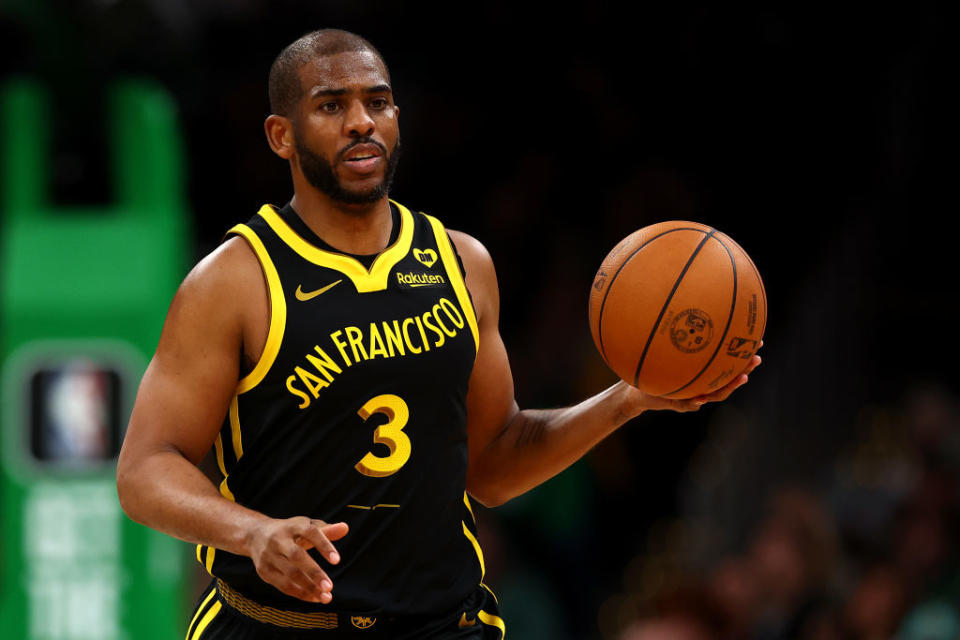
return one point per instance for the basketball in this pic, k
(677, 309)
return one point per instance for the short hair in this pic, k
(284, 83)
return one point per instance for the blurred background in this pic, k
(819, 502)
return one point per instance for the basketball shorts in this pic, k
(223, 614)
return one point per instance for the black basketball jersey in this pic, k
(356, 412)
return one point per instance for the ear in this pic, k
(279, 132)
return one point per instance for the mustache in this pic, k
(343, 152)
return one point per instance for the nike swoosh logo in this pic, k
(303, 297)
(464, 622)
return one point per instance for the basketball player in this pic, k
(341, 356)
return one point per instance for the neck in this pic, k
(361, 229)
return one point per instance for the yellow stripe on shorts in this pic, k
(208, 618)
(200, 609)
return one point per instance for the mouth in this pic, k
(363, 158)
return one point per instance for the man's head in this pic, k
(285, 87)
(334, 116)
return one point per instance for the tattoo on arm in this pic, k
(531, 428)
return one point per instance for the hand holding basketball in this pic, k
(646, 402)
(678, 310)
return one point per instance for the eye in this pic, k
(330, 107)
(379, 103)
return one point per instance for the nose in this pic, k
(358, 122)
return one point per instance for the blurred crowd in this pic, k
(869, 553)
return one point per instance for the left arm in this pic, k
(512, 451)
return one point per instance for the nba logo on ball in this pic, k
(676, 308)
(691, 330)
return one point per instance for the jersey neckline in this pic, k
(300, 227)
(373, 279)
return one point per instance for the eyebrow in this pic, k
(321, 92)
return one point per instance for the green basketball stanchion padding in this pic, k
(83, 294)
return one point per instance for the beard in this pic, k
(319, 172)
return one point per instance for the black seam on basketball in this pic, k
(603, 302)
(723, 338)
(656, 325)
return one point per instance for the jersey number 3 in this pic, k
(390, 434)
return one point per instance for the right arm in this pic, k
(181, 404)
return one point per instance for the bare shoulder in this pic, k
(217, 283)
(467, 245)
(230, 265)
(223, 298)
(480, 274)
(472, 252)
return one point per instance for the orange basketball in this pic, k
(677, 309)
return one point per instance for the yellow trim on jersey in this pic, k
(208, 618)
(236, 440)
(235, 437)
(202, 606)
(225, 491)
(374, 279)
(490, 591)
(278, 311)
(466, 501)
(493, 621)
(209, 564)
(218, 446)
(456, 278)
(476, 547)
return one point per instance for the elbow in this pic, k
(489, 483)
(126, 490)
(123, 489)
(486, 499)
(488, 494)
